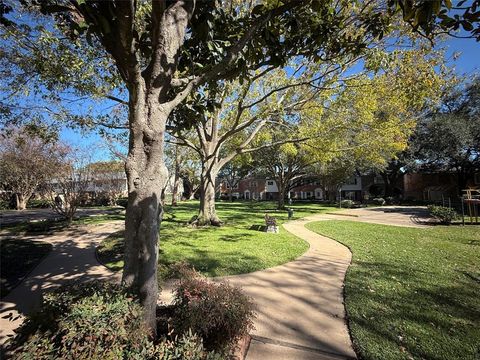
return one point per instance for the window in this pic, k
(270, 182)
(350, 195)
(351, 181)
(253, 184)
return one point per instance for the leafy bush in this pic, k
(4, 205)
(97, 321)
(378, 201)
(38, 204)
(188, 346)
(123, 202)
(90, 321)
(444, 214)
(219, 313)
(348, 204)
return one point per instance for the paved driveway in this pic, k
(411, 216)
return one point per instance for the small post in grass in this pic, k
(290, 213)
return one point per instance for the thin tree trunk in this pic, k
(281, 198)
(176, 181)
(207, 214)
(281, 193)
(21, 201)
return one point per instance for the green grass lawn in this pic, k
(17, 259)
(238, 247)
(411, 293)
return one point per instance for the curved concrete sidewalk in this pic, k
(300, 306)
(72, 257)
(301, 314)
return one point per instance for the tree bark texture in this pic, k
(149, 108)
(21, 201)
(207, 214)
(147, 176)
(281, 197)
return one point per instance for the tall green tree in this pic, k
(448, 139)
(243, 110)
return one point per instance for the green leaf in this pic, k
(257, 10)
(467, 26)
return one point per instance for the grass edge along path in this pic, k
(239, 247)
(411, 293)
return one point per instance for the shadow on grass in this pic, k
(209, 262)
(236, 237)
(261, 228)
(407, 311)
(58, 224)
(110, 251)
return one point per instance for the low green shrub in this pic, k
(188, 346)
(378, 201)
(4, 205)
(98, 321)
(123, 202)
(348, 204)
(38, 204)
(444, 214)
(90, 321)
(390, 200)
(218, 312)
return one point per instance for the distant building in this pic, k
(418, 186)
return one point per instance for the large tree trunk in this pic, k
(21, 201)
(207, 214)
(147, 176)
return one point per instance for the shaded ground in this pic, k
(17, 259)
(72, 257)
(9, 217)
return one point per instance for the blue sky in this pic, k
(468, 63)
(469, 60)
